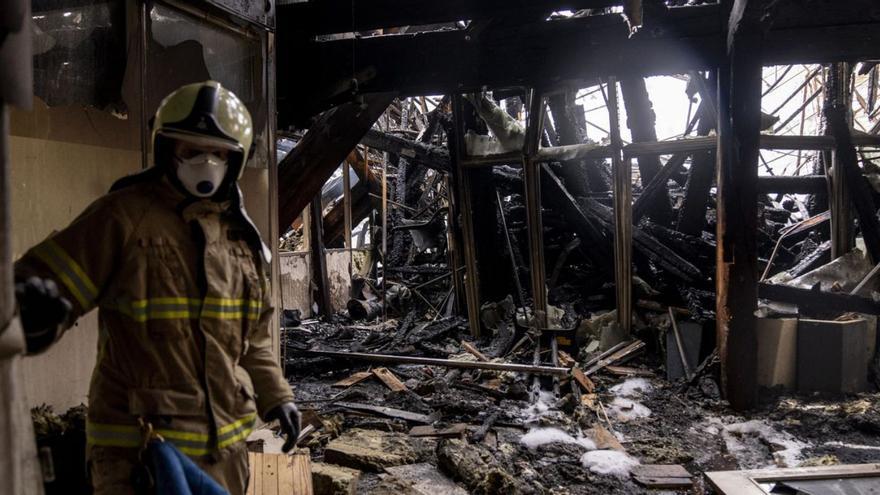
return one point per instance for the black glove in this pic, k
(43, 309)
(289, 418)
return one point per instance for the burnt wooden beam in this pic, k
(319, 260)
(657, 187)
(804, 184)
(362, 204)
(536, 53)
(342, 16)
(433, 157)
(859, 191)
(463, 196)
(302, 173)
(812, 300)
(692, 214)
(641, 119)
(739, 123)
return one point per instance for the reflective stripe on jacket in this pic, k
(184, 311)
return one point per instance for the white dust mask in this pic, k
(202, 174)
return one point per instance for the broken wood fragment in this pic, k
(389, 412)
(586, 384)
(389, 379)
(565, 359)
(452, 431)
(627, 371)
(622, 354)
(604, 439)
(353, 379)
(468, 347)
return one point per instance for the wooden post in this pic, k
(621, 171)
(319, 260)
(737, 255)
(842, 232)
(462, 179)
(534, 222)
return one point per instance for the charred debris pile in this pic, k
(399, 383)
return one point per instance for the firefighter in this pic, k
(178, 273)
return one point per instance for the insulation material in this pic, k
(632, 387)
(609, 463)
(627, 409)
(751, 443)
(543, 436)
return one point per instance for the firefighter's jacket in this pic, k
(184, 310)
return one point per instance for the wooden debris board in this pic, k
(353, 379)
(683, 483)
(661, 471)
(280, 474)
(604, 439)
(662, 476)
(389, 412)
(389, 379)
(583, 380)
(453, 431)
(467, 346)
(426, 479)
(565, 359)
(589, 401)
(627, 371)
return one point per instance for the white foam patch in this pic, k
(628, 409)
(632, 387)
(543, 436)
(609, 463)
(745, 441)
(540, 408)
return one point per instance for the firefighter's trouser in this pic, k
(111, 469)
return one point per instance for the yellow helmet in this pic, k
(205, 113)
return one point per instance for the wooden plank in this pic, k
(627, 371)
(253, 476)
(389, 379)
(469, 348)
(301, 474)
(661, 471)
(353, 379)
(389, 412)
(285, 475)
(661, 483)
(452, 431)
(257, 473)
(586, 384)
(270, 474)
